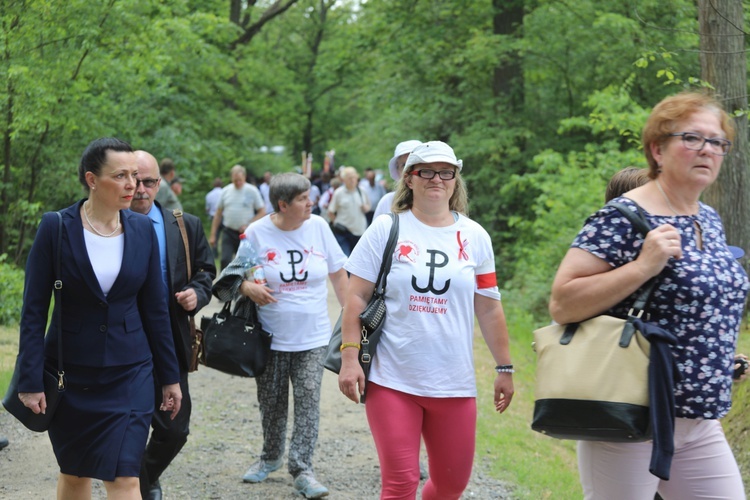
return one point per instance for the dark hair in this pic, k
(95, 156)
(166, 166)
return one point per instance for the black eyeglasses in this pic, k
(149, 183)
(696, 142)
(426, 173)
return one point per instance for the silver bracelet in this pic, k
(505, 369)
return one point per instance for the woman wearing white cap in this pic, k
(395, 167)
(422, 378)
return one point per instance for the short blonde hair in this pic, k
(240, 169)
(349, 172)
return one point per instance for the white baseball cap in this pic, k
(401, 149)
(433, 152)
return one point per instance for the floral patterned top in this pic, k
(700, 298)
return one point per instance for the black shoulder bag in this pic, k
(234, 343)
(372, 317)
(54, 382)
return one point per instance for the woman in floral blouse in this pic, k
(700, 298)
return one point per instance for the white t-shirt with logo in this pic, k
(297, 264)
(427, 338)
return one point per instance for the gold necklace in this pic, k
(696, 224)
(86, 215)
(666, 198)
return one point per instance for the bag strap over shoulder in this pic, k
(385, 265)
(183, 232)
(639, 221)
(641, 225)
(58, 284)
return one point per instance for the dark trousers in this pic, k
(167, 438)
(215, 248)
(230, 241)
(346, 241)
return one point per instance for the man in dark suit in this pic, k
(186, 296)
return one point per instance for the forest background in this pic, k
(543, 100)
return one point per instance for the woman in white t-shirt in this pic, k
(422, 378)
(299, 253)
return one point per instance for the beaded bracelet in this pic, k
(504, 369)
(350, 344)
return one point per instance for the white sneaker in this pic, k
(260, 470)
(309, 487)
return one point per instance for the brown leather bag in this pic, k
(196, 334)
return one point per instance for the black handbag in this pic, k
(236, 345)
(54, 381)
(592, 376)
(371, 318)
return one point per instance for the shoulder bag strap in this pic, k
(58, 302)
(640, 304)
(183, 232)
(385, 265)
(181, 223)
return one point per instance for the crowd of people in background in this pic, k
(346, 200)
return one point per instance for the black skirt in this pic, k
(102, 423)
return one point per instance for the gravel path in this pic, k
(225, 439)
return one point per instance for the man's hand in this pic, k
(187, 298)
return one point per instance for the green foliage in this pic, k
(564, 189)
(11, 292)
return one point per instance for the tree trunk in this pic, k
(508, 75)
(723, 65)
(235, 11)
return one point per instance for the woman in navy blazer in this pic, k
(115, 327)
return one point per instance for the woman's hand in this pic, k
(503, 391)
(740, 360)
(351, 376)
(260, 294)
(586, 285)
(661, 244)
(34, 401)
(171, 399)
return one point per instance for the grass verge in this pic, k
(536, 466)
(8, 351)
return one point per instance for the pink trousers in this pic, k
(703, 467)
(448, 426)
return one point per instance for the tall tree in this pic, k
(723, 65)
(508, 74)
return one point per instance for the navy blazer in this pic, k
(203, 269)
(130, 325)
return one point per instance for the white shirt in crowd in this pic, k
(239, 205)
